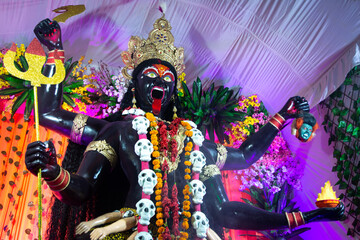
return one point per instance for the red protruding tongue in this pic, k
(156, 106)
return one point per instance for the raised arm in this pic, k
(99, 159)
(256, 144)
(79, 128)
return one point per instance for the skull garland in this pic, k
(198, 190)
(141, 124)
(146, 209)
(147, 180)
(197, 137)
(144, 148)
(143, 236)
(200, 224)
(198, 161)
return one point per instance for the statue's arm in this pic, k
(51, 115)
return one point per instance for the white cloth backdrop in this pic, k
(276, 49)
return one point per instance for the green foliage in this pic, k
(345, 134)
(24, 92)
(212, 110)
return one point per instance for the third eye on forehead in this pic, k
(160, 70)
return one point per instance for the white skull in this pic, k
(143, 236)
(141, 124)
(147, 180)
(198, 190)
(200, 224)
(133, 111)
(197, 137)
(146, 209)
(198, 161)
(144, 148)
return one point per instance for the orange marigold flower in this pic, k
(188, 170)
(158, 204)
(189, 133)
(159, 175)
(158, 198)
(187, 154)
(185, 225)
(187, 177)
(153, 132)
(156, 148)
(154, 142)
(188, 149)
(186, 197)
(159, 215)
(186, 203)
(159, 185)
(153, 124)
(156, 154)
(156, 166)
(161, 229)
(187, 187)
(159, 222)
(159, 209)
(189, 144)
(154, 137)
(156, 162)
(187, 163)
(150, 116)
(186, 208)
(158, 192)
(184, 234)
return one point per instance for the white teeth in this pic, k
(159, 89)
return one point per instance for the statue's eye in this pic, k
(151, 74)
(167, 78)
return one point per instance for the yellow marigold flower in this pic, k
(155, 143)
(187, 187)
(156, 148)
(150, 116)
(187, 170)
(188, 149)
(184, 234)
(156, 154)
(185, 225)
(159, 222)
(187, 163)
(159, 215)
(158, 198)
(186, 203)
(187, 177)
(158, 204)
(154, 132)
(190, 144)
(158, 192)
(161, 229)
(187, 197)
(159, 175)
(187, 154)
(156, 166)
(189, 133)
(187, 214)
(153, 124)
(186, 208)
(159, 209)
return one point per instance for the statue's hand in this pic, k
(98, 233)
(84, 227)
(42, 155)
(326, 214)
(49, 33)
(293, 107)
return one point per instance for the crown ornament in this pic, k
(159, 45)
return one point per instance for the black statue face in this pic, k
(154, 88)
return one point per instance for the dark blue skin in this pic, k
(95, 167)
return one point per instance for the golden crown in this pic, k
(159, 45)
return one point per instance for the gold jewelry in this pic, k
(159, 45)
(209, 171)
(78, 126)
(133, 99)
(221, 156)
(105, 149)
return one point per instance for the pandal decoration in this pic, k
(163, 148)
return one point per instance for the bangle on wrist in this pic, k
(277, 121)
(294, 219)
(61, 182)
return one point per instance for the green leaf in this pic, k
(347, 173)
(341, 103)
(17, 65)
(355, 179)
(343, 185)
(14, 81)
(335, 111)
(24, 63)
(346, 139)
(343, 157)
(349, 128)
(342, 124)
(356, 132)
(11, 91)
(344, 112)
(347, 81)
(355, 87)
(20, 100)
(68, 100)
(29, 105)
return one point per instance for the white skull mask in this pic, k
(146, 209)
(197, 137)
(143, 236)
(147, 180)
(198, 190)
(200, 224)
(141, 124)
(144, 148)
(198, 161)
